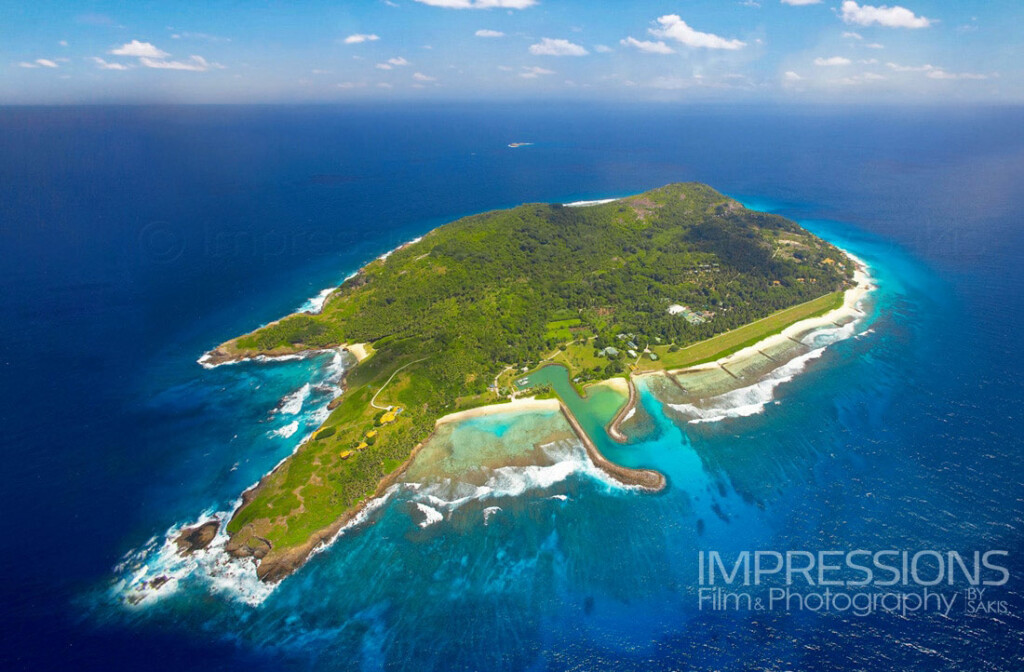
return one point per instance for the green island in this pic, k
(670, 278)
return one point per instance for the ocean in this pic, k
(133, 239)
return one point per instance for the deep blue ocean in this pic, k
(132, 239)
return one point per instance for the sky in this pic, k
(221, 51)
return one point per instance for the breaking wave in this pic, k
(315, 304)
(430, 515)
(287, 431)
(749, 400)
(292, 403)
(567, 458)
(490, 511)
(157, 570)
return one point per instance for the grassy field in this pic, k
(579, 358)
(737, 339)
(560, 329)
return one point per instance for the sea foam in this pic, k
(752, 399)
(157, 570)
(749, 400)
(430, 515)
(292, 403)
(567, 458)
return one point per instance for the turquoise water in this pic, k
(593, 411)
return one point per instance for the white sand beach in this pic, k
(515, 406)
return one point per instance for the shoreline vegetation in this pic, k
(441, 329)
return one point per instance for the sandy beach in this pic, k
(524, 404)
(617, 383)
(359, 350)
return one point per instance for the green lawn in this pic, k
(560, 329)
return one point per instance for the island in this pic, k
(458, 320)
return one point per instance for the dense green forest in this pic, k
(505, 288)
(483, 289)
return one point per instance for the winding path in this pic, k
(373, 402)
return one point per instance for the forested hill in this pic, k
(499, 291)
(484, 289)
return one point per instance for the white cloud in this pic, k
(798, 3)
(875, 45)
(398, 60)
(384, 66)
(151, 57)
(909, 68)
(140, 50)
(484, 32)
(63, 43)
(26, 64)
(791, 76)
(647, 46)
(850, 35)
(420, 77)
(534, 72)
(831, 61)
(890, 17)
(675, 28)
(105, 65)
(858, 80)
(359, 38)
(479, 4)
(552, 47)
(193, 64)
(939, 73)
(602, 49)
(46, 63)
(934, 72)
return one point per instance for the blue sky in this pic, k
(217, 51)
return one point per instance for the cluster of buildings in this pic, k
(691, 316)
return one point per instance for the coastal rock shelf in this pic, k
(455, 322)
